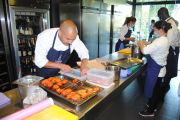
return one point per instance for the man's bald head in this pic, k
(68, 26)
(163, 13)
(67, 32)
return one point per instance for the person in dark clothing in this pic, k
(151, 29)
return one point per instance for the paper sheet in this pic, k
(94, 64)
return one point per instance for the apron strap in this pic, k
(55, 38)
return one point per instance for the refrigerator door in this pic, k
(90, 33)
(26, 24)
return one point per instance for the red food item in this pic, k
(43, 82)
(75, 80)
(84, 95)
(55, 87)
(76, 97)
(64, 81)
(57, 80)
(96, 89)
(47, 82)
(70, 95)
(59, 90)
(89, 92)
(68, 91)
(51, 78)
(81, 91)
(59, 83)
(50, 84)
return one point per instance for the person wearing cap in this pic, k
(53, 48)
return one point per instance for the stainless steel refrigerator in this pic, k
(25, 23)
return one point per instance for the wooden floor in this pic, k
(131, 101)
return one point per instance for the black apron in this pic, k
(53, 56)
(125, 42)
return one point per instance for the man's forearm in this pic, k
(54, 65)
(84, 61)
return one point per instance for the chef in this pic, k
(157, 55)
(125, 33)
(53, 48)
(172, 59)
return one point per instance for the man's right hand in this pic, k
(65, 68)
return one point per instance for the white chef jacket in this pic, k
(159, 50)
(150, 28)
(173, 34)
(123, 31)
(45, 41)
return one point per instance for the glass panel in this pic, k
(144, 15)
(123, 11)
(174, 11)
(104, 35)
(28, 26)
(90, 33)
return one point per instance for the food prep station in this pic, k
(86, 109)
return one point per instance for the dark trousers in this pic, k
(169, 71)
(153, 102)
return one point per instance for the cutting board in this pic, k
(53, 113)
(126, 51)
(93, 64)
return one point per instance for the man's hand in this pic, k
(65, 68)
(84, 67)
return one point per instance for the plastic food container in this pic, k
(100, 76)
(76, 74)
(25, 83)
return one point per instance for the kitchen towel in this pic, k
(4, 99)
(33, 109)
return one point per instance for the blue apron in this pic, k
(125, 42)
(53, 56)
(153, 70)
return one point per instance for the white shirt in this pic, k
(123, 31)
(45, 41)
(159, 50)
(173, 34)
(150, 28)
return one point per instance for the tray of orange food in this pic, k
(70, 89)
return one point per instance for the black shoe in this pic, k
(147, 104)
(146, 113)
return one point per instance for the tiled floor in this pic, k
(131, 101)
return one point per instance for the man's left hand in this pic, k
(84, 70)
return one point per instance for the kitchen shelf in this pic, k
(1, 52)
(4, 73)
(4, 84)
(26, 56)
(1, 63)
(26, 35)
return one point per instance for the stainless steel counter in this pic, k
(89, 110)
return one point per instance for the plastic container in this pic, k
(76, 74)
(100, 76)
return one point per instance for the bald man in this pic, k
(53, 48)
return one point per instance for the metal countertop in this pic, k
(90, 109)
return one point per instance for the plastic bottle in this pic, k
(19, 75)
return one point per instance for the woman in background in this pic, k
(158, 51)
(125, 33)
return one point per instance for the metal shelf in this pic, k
(4, 84)
(4, 73)
(1, 63)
